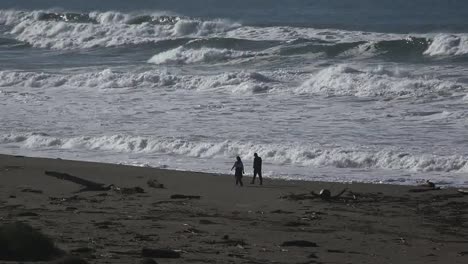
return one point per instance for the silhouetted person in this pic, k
(257, 166)
(239, 166)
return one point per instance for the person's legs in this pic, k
(254, 175)
(260, 177)
(240, 181)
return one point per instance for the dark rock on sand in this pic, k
(27, 214)
(155, 184)
(159, 253)
(20, 242)
(299, 243)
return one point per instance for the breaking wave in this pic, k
(67, 30)
(448, 45)
(303, 155)
(241, 82)
(183, 55)
(343, 80)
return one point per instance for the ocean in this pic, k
(335, 90)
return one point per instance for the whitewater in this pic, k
(187, 90)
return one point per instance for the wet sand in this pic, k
(207, 219)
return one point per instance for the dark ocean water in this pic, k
(361, 90)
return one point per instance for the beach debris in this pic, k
(159, 253)
(463, 191)
(299, 243)
(27, 214)
(30, 190)
(128, 191)
(207, 222)
(427, 186)
(12, 196)
(325, 194)
(148, 261)
(281, 212)
(229, 242)
(21, 242)
(182, 196)
(70, 260)
(155, 184)
(89, 185)
(60, 200)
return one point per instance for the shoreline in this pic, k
(248, 175)
(208, 219)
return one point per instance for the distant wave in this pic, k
(304, 155)
(67, 30)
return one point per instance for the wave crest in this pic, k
(448, 45)
(312, 156)
(183, 55)
(344, 80)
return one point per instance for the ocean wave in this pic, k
(64, 31)
(343, 80)
(183, 55)
(303, 155)
(235, 82)
(448, 45)
(68, 30)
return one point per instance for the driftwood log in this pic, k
(90, 186)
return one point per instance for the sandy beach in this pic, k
(205, 218)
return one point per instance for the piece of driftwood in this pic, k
(89, 185)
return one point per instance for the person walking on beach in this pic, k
(239, 166)
(257, 166)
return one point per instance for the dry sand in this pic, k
(230, 224)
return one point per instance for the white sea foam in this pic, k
(236, 82)
(110, 29)
(100, 79)
(182, 55)
(345, 80)
(448, 45)
(303, 155)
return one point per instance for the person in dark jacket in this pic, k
(257, 166)
(239, 166)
